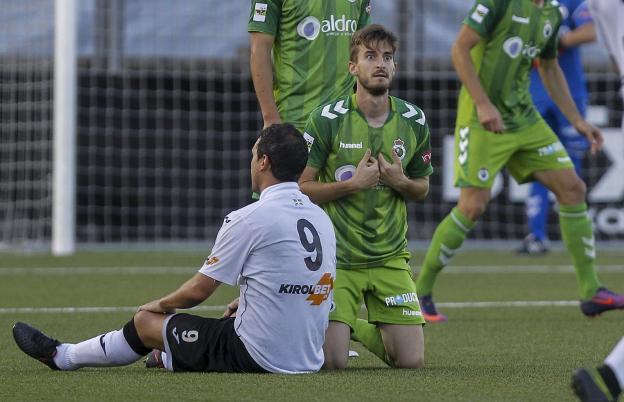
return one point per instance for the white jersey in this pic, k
(609, 19)
(281, 251)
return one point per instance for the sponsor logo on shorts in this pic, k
(174, 332)
(412, 313)
(260, 12)
(190, 336)
(550, 149)
(401, 299)
(483, 174)
(317, 293)
(564, 159)
(399, 148)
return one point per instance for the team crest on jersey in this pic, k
(483, 174)
(399, 148)
(211, 261)
(548, 29)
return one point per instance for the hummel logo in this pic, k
(351, 146)
(326, 112)
(521, 20)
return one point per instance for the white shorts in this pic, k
(609, 20)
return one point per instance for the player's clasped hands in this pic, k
(391, 173)
(367, 172)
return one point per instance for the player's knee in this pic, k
(573, 193)
(333, 362)
(473, 210)
(410, 362)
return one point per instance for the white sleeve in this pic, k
(234, 242)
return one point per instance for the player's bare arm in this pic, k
(489, 117)
(391, 174)
(366, 176)
(557, 87)
(189, 294)
(261, 67)
(586, 33)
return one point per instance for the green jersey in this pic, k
(370, 225)
(311, 50)
(514, 33)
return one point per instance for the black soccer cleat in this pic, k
(36, 344)
(589, 386)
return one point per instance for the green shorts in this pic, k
(481, 154)
(388, 293)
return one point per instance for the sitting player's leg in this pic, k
(114, 348)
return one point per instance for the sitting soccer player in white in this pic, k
(280, 250)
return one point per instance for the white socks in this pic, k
(615, 361)
(109, 349)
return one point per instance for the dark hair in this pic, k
(371, 36)
(286, 149)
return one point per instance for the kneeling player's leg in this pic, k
(405, 344)
(346, 304)
(114, 348)
(392, 303)
(576, 227)
(336, 346)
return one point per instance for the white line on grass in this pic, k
(457, 269)
(459, 305)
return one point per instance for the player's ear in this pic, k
(352, 68)
(265, 163)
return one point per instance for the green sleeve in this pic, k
(551, 50)
(484, 15)
(365, 14)
(317, 133)
(420, 165)
(265, 16)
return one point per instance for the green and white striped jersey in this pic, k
(371, 225)
(514, 32)
(311, 50)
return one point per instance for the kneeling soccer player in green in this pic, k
(369, 152)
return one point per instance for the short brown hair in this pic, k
(370, 36)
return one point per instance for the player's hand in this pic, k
(592, 133)
(231, 309)
(367, 172)
(391, 174)
(155, 307)
(490, 118)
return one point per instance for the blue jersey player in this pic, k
(577, 28)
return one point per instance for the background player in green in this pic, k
(368, 153)
(309, 41)
(498, 126)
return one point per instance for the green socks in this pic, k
(448, 237)
(370, 336)
(578, 236)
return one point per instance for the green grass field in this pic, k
(487, 352)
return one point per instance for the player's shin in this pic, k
(577, 234)
(115, 348)
(448, 237)
(370, 337)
